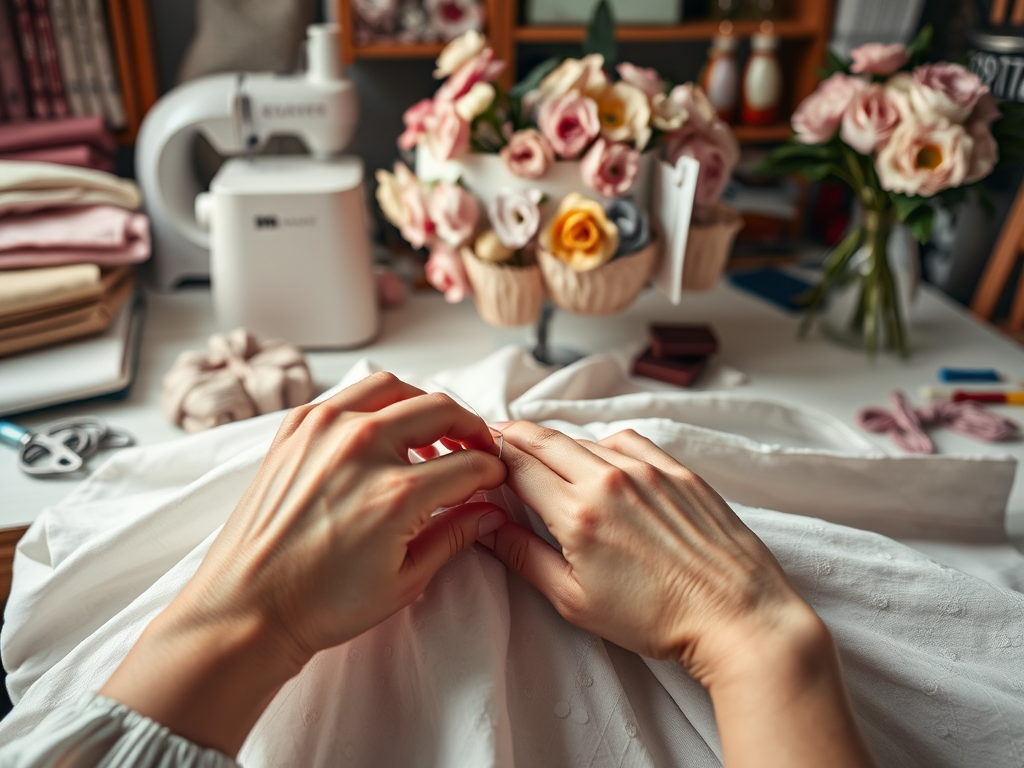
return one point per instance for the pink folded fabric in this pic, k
(97, 234)
(39, 134)
(79, 155)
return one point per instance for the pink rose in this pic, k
(528, 154)
(647, 80)
(454, 212)
(415, 118)
(869, 120)
(817, 118)
(878, 58)
(691, 99)
(480, 69)
(947, 90)
(924, 158)
(717, 159)
(979, 128)
(451, 18)
(569, 122)
(609, 168)
(447, 134)
(446, 272)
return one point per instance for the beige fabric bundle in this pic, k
(26, 187)
(237, 378)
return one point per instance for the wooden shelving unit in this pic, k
(131, 34)
(805, 33)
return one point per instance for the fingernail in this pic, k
(491, 522)
(499, 425)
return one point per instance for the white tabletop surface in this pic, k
(427, 335)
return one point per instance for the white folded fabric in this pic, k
(482, 671)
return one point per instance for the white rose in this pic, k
(625, 114)
(667, 114)
(515, 216)
(460, 50)
(475, 102)
(925, 158)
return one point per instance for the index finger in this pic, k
(427, 418)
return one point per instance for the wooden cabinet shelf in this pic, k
(695, 30)
(398, 51)
(763, 134)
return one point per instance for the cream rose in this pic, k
(925, 158)
(475, 102)
(585, 75)
(947, 90)
(489, 247)
(625, 114)
(818, 117)
(581, 234)
(869, 120)
(460, 50)
(667, 114)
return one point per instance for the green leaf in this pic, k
(601, 35)
(906, 205)
(921, 223)
(834, 64)
(798, 158)
(532, 80)
(921, 45)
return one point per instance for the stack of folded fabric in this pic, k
(85, 142)
(68, 238)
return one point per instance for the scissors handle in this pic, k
(12, 434)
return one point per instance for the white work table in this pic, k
(427, 335)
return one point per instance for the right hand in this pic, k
(652, 557)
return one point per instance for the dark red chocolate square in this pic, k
(681, 371)
(682, 341)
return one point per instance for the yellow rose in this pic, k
(581, 234)
(489, 247)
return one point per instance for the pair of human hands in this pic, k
(337, 531)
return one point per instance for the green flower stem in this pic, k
(835, 268)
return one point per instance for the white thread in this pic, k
(501, 444)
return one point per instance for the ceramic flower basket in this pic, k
(708, 248)
(506, 296)
(486, 176)
(603, 291)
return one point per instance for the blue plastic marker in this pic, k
(951, 375)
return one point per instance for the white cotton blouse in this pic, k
(97, 731)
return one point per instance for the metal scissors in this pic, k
(63, 446)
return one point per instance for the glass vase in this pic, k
(868, 290)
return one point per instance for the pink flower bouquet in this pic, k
(904, 136)
(496, 170)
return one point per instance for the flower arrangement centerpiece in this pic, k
(905, 136)
(546, 189)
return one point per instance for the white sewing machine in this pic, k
(283, 238)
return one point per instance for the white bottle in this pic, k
(762, 82)
(721, 75)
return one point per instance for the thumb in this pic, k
(526, 553)
(447, 534)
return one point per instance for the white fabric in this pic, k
(482, 671)
(27, 187)
(97, 732)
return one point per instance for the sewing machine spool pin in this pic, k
(543, 351)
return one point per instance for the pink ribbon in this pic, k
(906, 424)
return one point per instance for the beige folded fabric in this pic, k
(32, 330)
(26, 186)
(26, 290)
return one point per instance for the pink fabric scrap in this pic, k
(42, 134)
(96, 234)
(79, 155)
(906, 424)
